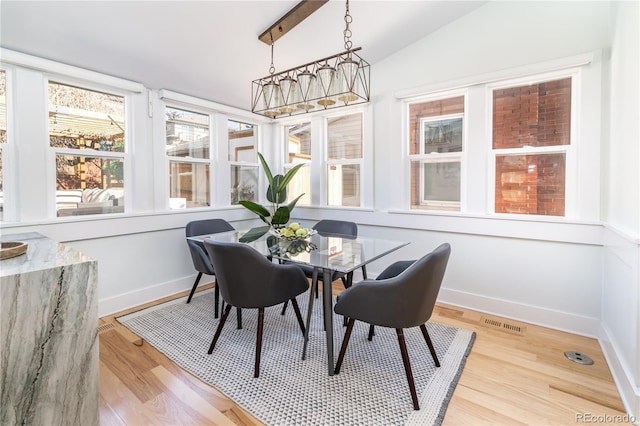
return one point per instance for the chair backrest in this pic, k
(395, 269)
(248, 280)
(420, 284)
(405, 299)
(207, 226)
(199, 256)
(336, 227)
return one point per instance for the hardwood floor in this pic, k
(516, 374)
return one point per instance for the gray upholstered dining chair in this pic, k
(404, 299)
(248, 280)
(201, 261)
(340, 228)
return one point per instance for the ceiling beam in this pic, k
(292, 18)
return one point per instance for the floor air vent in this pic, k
(106, 327)
(504, 325)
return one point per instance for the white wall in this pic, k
(620, 334)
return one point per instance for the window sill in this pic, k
(493, 216)
(557, 229)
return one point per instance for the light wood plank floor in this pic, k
(516, 374)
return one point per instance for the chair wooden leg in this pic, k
(256, 369)
(239, 316)
(324, 326)
(284, 307)
(195, 285)
(217, 300)
(345, 343)
(347, 283)
(427, 339)
(296, 309)
(407, 368)
(371, 332)
(314, 279)
(225, 314)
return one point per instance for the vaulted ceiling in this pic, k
(210, 49)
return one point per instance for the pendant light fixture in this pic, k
(335, 81)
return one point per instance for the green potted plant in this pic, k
(277, 214)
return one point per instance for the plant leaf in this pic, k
(267, 170)
(255, 208)
(281, 216)
(289, 175)
(274, 194)
(253, 234)
(292, 204)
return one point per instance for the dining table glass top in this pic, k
(326, 251)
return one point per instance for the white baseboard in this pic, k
(563, 321)
(121, 302)
(629, 393)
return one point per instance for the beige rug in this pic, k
(371, 388)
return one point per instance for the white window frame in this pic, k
(583, 166)
(241, 163)
(168, 159)
(220, 166)
(436, 157)
(569, 150)
(440, 159)
(341, 162)
(287, 165)
(9, 210)
(319, 148)
(124, 156)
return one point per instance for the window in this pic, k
(188, 149)
(87, 134)
(344, 160)
(298, 150)
(436, 140)
(243, 158)
(3, 134)
(531, 136)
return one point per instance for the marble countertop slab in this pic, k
(42, 253)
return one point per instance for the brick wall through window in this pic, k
(531, 116)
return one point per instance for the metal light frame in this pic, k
(337, 93)
(336, 81)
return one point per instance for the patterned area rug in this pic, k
(371, 388)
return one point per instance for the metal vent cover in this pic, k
(504, 325)
(106, 327)
(579, 357)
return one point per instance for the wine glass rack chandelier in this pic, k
(335, 81)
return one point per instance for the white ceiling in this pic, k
(210, 49)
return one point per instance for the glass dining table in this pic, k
(325, 253)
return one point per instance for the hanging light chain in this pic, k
(347, 32)
(272, 68)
